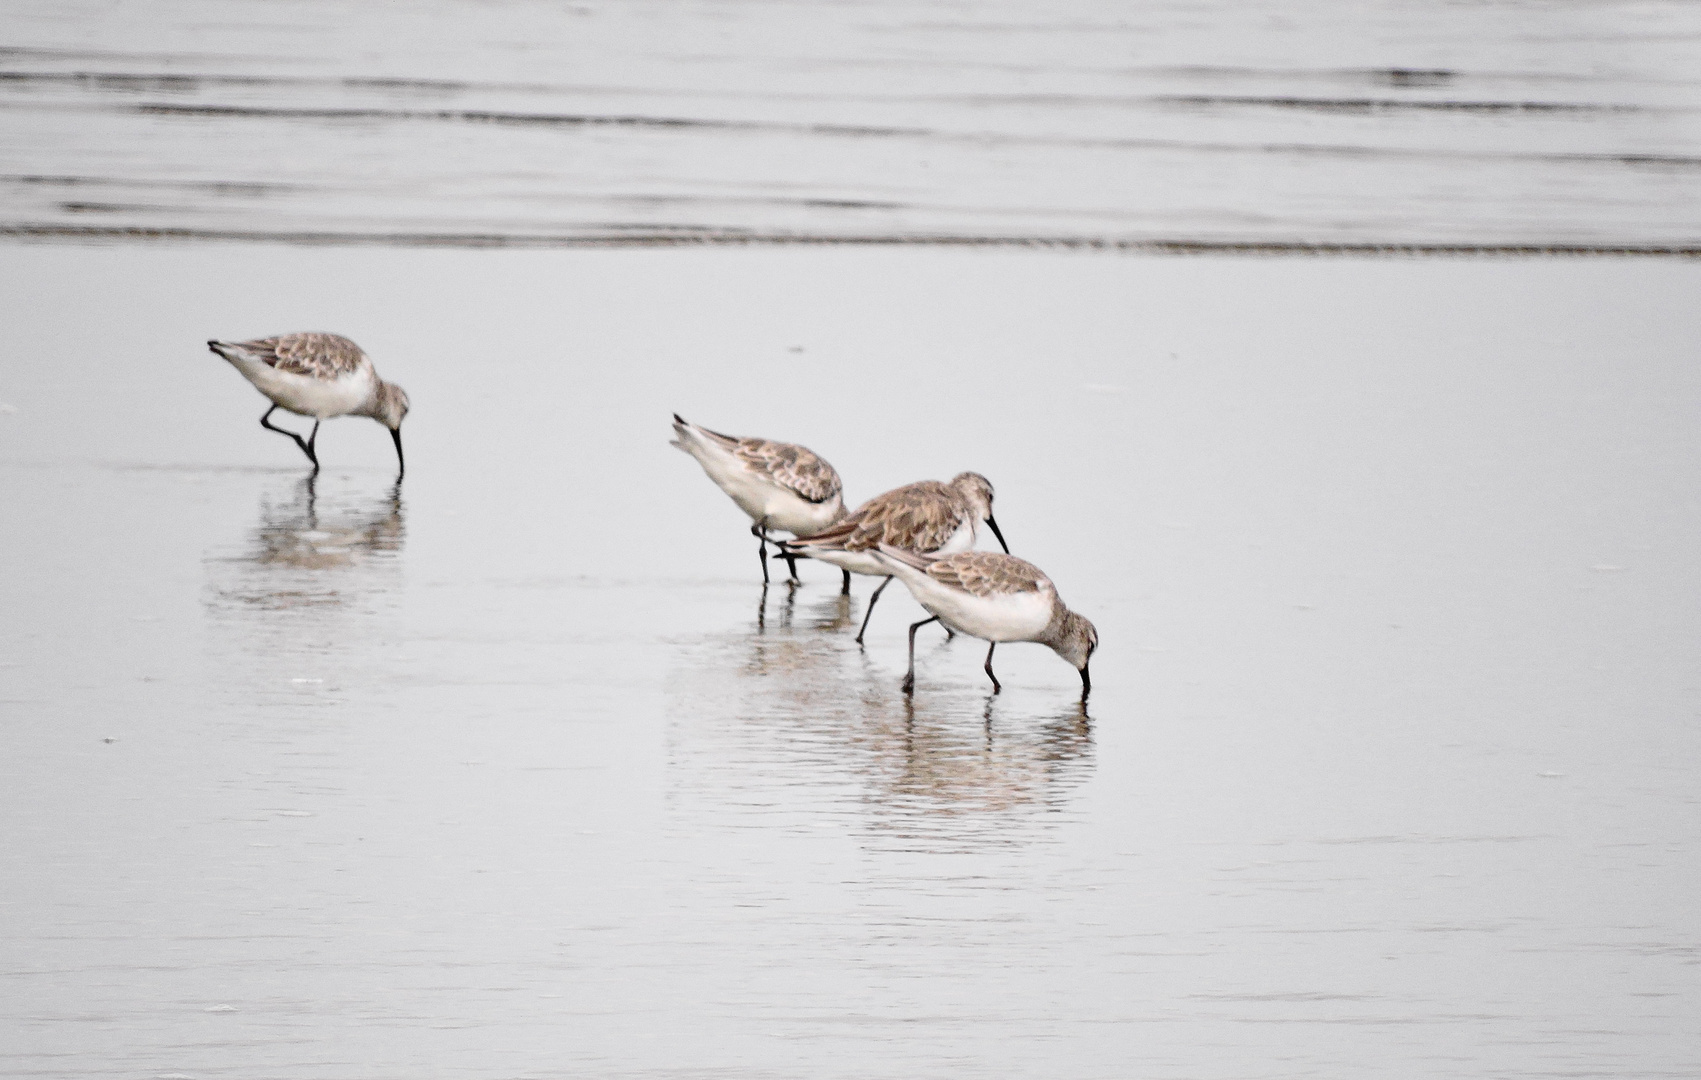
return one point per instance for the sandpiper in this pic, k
(995, 597)
(780, 485)
(926, 517)
(318, 375)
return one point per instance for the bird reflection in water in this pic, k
(943, 763)
(787, 717)
(311, 552)
(834, 614)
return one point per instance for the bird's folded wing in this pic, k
(792, 467)
(988, 573)
(319, 356)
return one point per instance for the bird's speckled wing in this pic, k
(988, 574)
(318, 356)
(792, 466)
(917, 517)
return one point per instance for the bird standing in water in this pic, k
(318, 375)
(994, 597)
(926, 517)
(780, 485)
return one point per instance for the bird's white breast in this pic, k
(961, 540)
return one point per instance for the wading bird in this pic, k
(925, 517)
(994, 597)
(317, 375)
(780, 485)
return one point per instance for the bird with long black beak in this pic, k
(926, 517)
(318, 375)
(994, 597)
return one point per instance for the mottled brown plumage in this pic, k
(318, 356)
(988, 573)
(796, 468)
(920, 517)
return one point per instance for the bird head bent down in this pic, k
(390, 408)
(390, 405)
(1075, 641)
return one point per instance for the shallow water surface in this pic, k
(514, 770)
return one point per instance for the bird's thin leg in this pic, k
(845, 591)
(995, 687)
(791, 564)
(909, 678)
(870, 612)
(761, 536)
(311, 439)
(266, 422)
(950, 634)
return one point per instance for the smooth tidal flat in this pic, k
(1390, 768)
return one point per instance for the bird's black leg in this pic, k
(995, 687)
(870, 612)
(311, 451)
(266, 422)
(845, 591)
(761, 536)
(909, 678)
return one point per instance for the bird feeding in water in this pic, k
(994, 597)
(780, 485)
(925, 517)
(318, 375)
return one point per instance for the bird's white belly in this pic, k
(1009, 617)
(760, 498)
(307, 396)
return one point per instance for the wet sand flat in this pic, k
(1390, 767)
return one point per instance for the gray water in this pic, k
(1390, 767)
(1490, 125)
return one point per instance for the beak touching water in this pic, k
(401, 466)
(1086, 683)
(994, 526)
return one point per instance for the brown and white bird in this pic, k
(994, 597)
(317, 375)
(780, 485)
(925, 517)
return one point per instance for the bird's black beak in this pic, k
(993, 525)
(401, 465)
(1086, 683)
